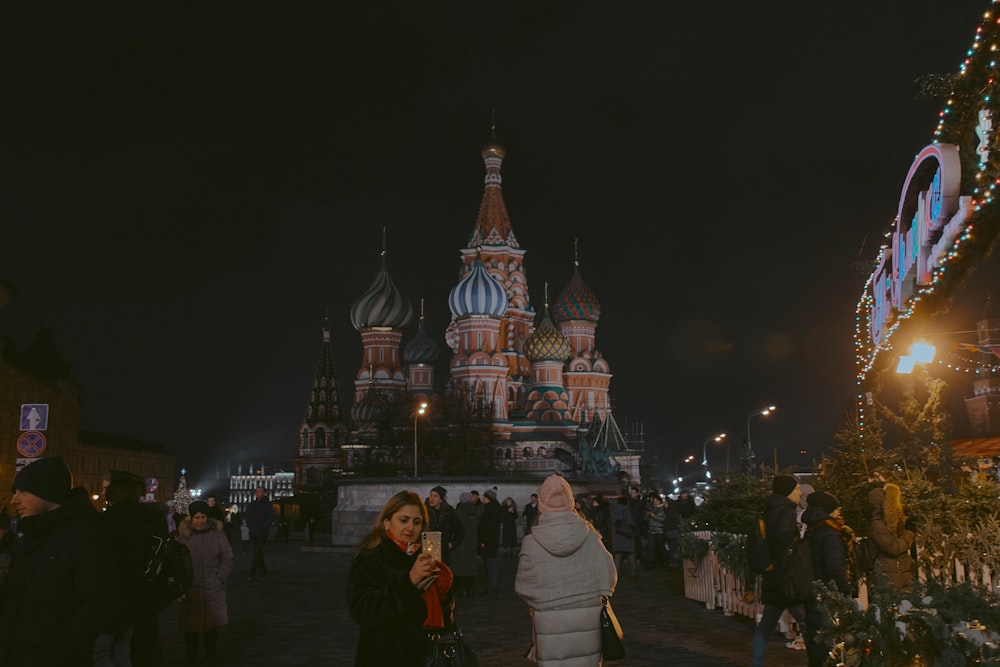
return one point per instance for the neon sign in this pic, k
(930, 215)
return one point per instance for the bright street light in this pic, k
(704, 453)
(421, 410)
(762, 412)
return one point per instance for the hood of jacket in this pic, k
(186, 529)
(560, 533)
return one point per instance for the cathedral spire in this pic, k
(493, 223)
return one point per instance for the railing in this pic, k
(719, 588)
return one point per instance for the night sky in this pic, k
(187, 188)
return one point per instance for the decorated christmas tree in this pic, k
(182, 496)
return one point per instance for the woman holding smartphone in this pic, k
(396, 592)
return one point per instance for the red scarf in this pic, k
(438, 590)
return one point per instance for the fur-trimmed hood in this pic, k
(185, 530)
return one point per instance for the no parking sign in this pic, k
(31, 444)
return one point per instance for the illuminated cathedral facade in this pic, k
(538, 380)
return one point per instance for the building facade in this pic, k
(538, 380)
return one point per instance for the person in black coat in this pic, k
(781, 527)
(131, 533)
(442, 517)
(382, 586)
(831, 544)
(61, 591)
(489, 541)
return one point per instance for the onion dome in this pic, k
(576, 302)
(372, 408)
(382, 304)
(478, 293)
(547, 343)
(493, 147)
(420, 350)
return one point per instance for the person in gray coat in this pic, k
(203, 610)
(563, 572)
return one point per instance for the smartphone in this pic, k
(432, 543)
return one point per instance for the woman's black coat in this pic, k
(389, 609)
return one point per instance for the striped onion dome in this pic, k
(420, 350)
(373, 407)
(478, 293)
(576, 302)
(547, 343)
(382, 304)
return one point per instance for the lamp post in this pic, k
(704, 453)
(421, 410)
(762, 412)
(677, 468)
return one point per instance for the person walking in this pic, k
(655, 520)
(831, 542)
(508, 527)
(61, 591)
(202, 610)
(259, 519)
(780, 529)
(563, 572)
(890, 533)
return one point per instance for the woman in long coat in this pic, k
(893, 539)
(203, 610)
(464, 561)
(384, 582)
(563, 572)
(508, 527)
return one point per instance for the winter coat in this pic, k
(259, 518)
(489, 530)
(204, 607)
(621, 518)
(389, 609)
(61, 590)
(656, 516)
(131, 528)
(464, 561)
(829, 555)
(508, 528)
(781, 528)
(530, 515)
(443, 519)
(894, 560)
(562, 573)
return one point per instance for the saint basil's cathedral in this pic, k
(542, 387)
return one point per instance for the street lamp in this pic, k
(421, 410)
(762, 412)
(677, 467)
(704, 453)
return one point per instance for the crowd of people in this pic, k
(78, 587)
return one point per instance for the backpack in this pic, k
(757, 550)
(797, 571)
(866, 554)
(169, 571)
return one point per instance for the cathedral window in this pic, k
(541, 452)
(527, 453)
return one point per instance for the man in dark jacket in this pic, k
(61, 591)
(530, 513)
(489, 541)
(442, 517)
(781, 527)
(260, 517)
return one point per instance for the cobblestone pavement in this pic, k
(297, 617)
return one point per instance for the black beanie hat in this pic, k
(198, 506)
(441, 491)
(823, 500)
(48, 478)
(784, 484)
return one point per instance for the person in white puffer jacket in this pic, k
(563, 571)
